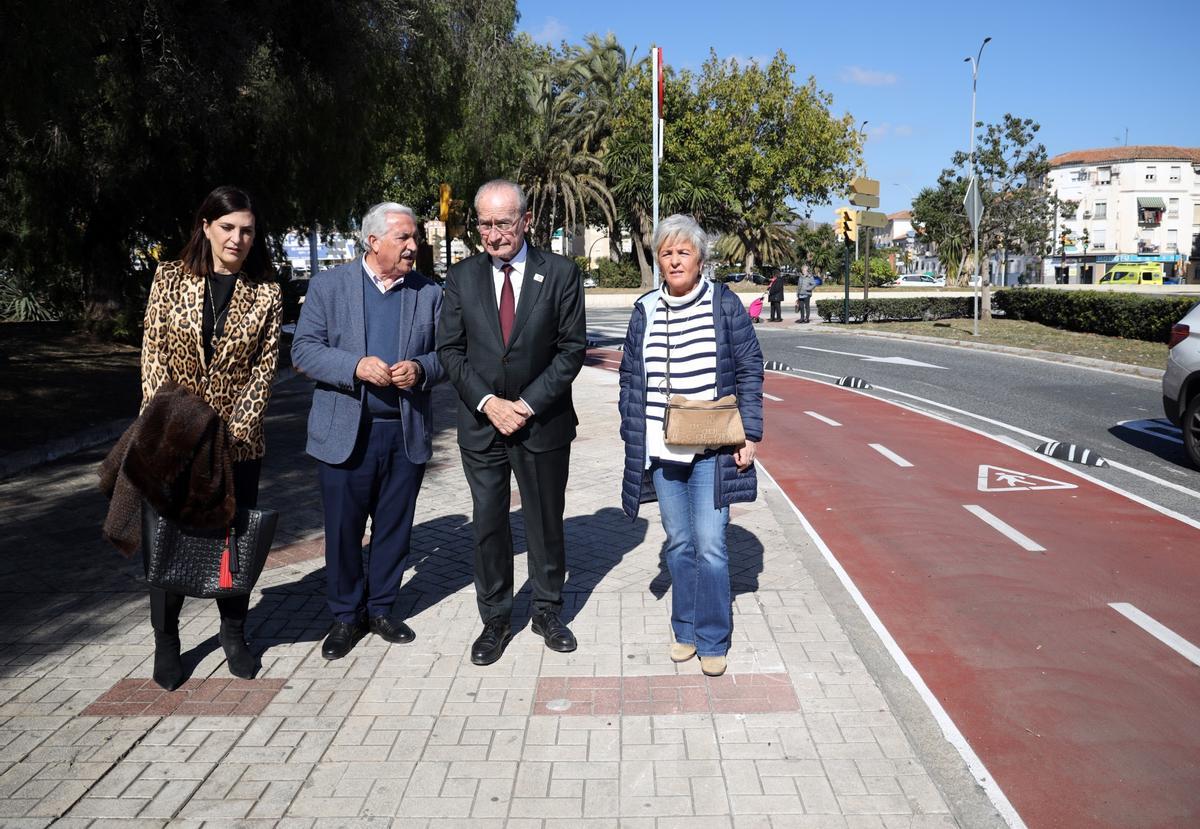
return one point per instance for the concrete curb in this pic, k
(14, 463)
(1032, 353)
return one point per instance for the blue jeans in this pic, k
(697, 555)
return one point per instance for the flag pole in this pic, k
(656, 135)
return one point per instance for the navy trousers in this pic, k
(379, 481)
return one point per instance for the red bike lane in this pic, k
(995, 572)
(1082, 717)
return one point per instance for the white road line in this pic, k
(889, 454)
(823, 418)
(1039, 438)
(953, 736)
(1159, 631)
(1011, 533)
(772, 397)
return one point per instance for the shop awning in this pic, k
(1151, 203)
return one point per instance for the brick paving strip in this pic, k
(212, 697)
(605, 695)
(797, 734)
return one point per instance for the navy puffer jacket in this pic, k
(739, 372)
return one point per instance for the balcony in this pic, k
(1147, 247)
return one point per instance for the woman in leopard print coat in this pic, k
(212, 326)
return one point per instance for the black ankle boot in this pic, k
(237, 652)
(168, 667)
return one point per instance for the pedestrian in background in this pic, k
(512, 340)
(704, 332)
(775, 297)
(366, 335)
(212, 326)
(804, 292)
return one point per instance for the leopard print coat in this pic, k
(238, 382)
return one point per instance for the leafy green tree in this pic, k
(821, 250)
(882, 272)
(132, 110)
(768, 141)
(941, 218)
(741, 144)
(1017, 207)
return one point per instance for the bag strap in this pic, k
(667, 309)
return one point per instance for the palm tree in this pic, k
(557, 169)
(762, 236)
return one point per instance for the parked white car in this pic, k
(1181, 382)
(922, 280)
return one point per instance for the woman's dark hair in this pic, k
(197, 253)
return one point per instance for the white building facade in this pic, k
(1136, 204)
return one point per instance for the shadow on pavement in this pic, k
(1157, 437)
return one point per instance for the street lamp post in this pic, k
(974, 85)
(862, 130)
(604, 238)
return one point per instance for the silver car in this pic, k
(1181, 383)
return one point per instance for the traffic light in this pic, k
(846, 225)
(1065, 239)
(444, 202)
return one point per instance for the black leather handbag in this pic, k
(207, 564)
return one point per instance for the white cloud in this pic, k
(903, 130)
(552, 32)
(867, 77)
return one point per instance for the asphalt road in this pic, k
(1017, 398)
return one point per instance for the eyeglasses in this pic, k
(505, 226)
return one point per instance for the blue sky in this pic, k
(1085, 71)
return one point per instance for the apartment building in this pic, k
(1135, 204)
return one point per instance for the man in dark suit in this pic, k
(366, 334)
(512, 339)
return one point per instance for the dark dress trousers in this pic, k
(544, 354)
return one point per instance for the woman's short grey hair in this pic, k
(374, 223)
(681, 226)
(498, 183)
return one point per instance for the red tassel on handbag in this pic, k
(225, 580)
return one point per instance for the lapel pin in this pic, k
(537, 277)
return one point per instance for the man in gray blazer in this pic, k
(512, 340)
(367, 334)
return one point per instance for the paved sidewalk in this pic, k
(811, 727)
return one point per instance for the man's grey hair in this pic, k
(374, 223)
(682, 227)
(497, 183)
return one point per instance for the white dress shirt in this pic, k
(379, 283)
(517, 277)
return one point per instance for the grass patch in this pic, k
(1022, 334)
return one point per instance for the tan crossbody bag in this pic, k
(711, 423)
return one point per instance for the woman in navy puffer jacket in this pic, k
(699, 333)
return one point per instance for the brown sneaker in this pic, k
(681, 652)
(712, 665)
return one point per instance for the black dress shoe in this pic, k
(342, 638)
(550, 627)
(490, 644)
(391, 630)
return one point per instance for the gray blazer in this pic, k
(331, 338)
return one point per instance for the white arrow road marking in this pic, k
(772, 397)
(823, 418)
(1155, 428)
(899, 361)
(996, 479)
(1009, 532)
(889, 454)
(1159, 631)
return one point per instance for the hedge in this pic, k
(897, 308)
(1112, 314)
